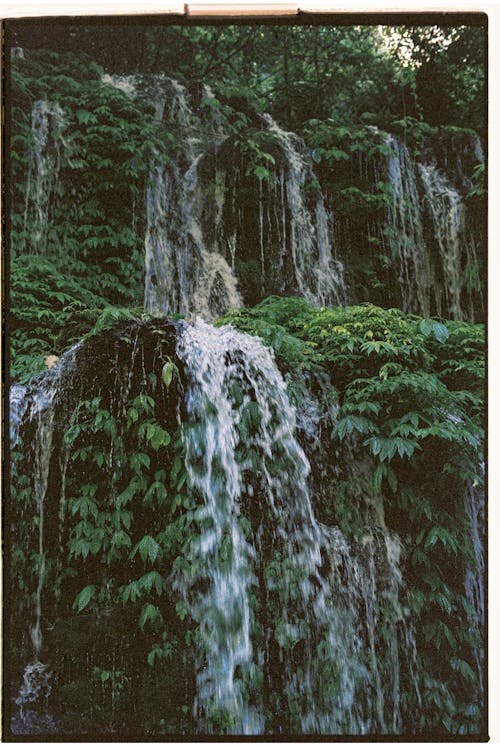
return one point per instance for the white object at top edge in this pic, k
(38, 8)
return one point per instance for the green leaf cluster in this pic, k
(411, 404)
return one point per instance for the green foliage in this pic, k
(167, 372)
(101, 147)
(403, 438)
(106, 142)
(407, 393)
(49, 311)
(257, 149)
(452, 58)
(478, 189)
(299, 71)
(84, 597)
(123, 520)
(411, 406)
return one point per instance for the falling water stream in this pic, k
(34, 406)
(204, 217)
(447, 211)
(241, 424)
(318, 617)
(474, 576)
(49, 122)
(405, 229)
(36, 685)
(186, 271)
(318, 276)
(181, 274)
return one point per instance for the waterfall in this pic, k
(241, 424)
(42, 411)
(17, 407)
(474, 577)
(182, 275)
(274, 594)
(48, 124)
(447, 212)
(196, 209)
(191, 259)
(125, 83)
(405, 232)
(37, 407)
(170, 265)
(33, 714)
(218, 236)
(36, 686)
(33, 407)
(211, 442)
(318, 276)
(427, 232)
(295, 625)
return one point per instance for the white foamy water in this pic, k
(48, 124)
(327, 591)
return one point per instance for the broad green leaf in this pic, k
(159, 437)
(84, 597)
(167, 373)
(426, 327)
(150, 613)
(440, 332)
(148, 549)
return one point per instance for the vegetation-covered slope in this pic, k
(82, 178)
(273, 527)
(389, 414)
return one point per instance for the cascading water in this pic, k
(48, 125)
(171, 268)
(447, 211)
(17, 407)
(125, 83)
(211, 441)
(474, 577)
(297, 627)
(182, 276)
(34, 407)
(405, 231)
(318, 276)
(43, 411)
(241, 424)
(217, 236)
(187, 267)
(427, 229)
(33, 715)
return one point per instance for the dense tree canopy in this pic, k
(301, 71)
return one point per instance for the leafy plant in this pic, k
(411, 411)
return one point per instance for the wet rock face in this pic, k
(48, 125)
(191, 552)
(232, 217)
(98, 377)
(206, 216)
(172, 450)
(276, 230)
